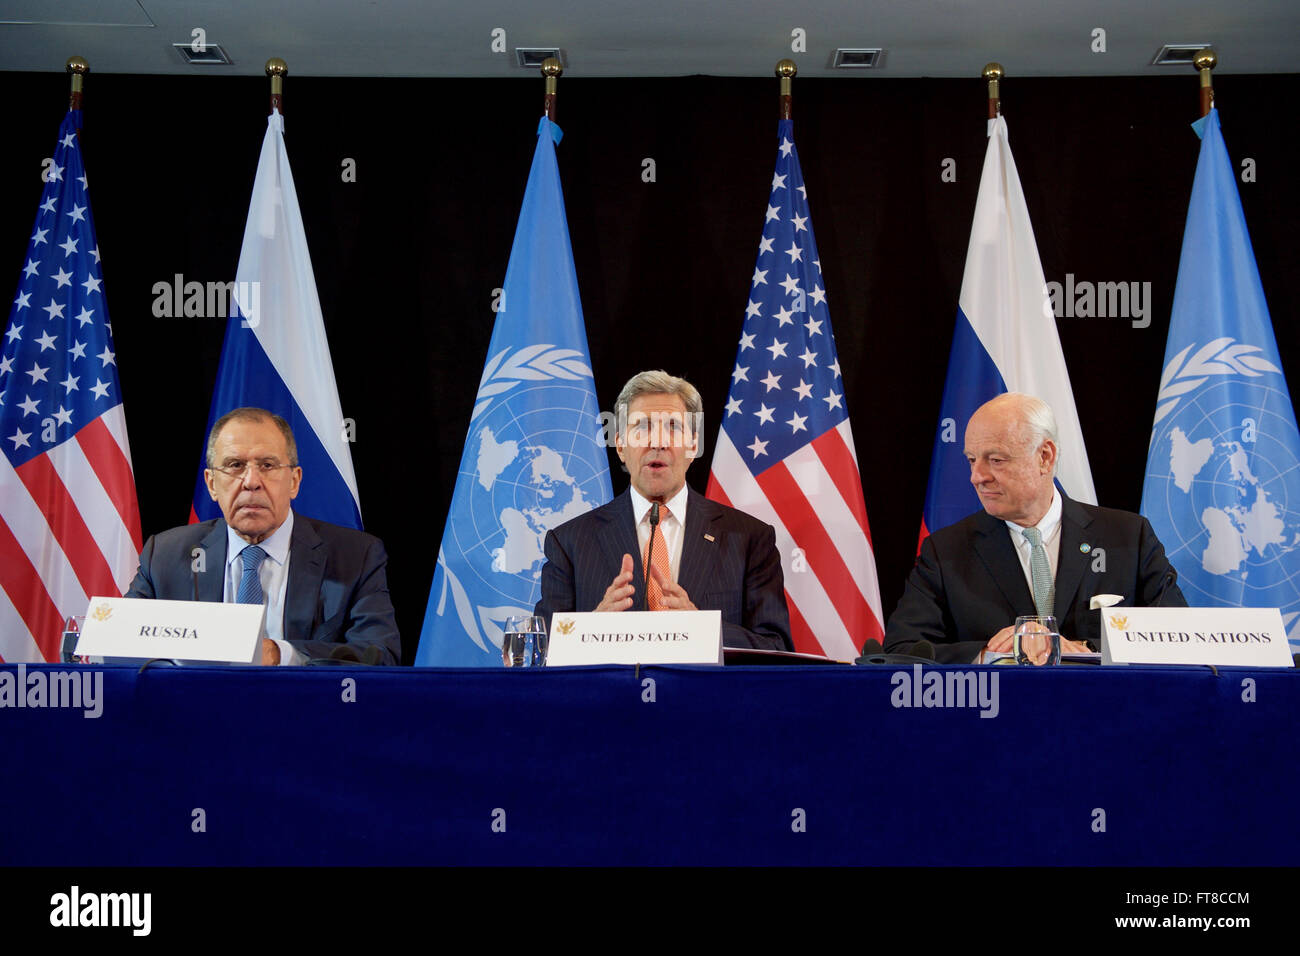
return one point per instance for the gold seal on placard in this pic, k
(102, 613)
(564, 625)
(1119, 622)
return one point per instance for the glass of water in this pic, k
(1037, 640)
(523, 641)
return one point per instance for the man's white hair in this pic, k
(1034, 413)
(1038, 417)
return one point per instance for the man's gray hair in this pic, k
(659, 382)
(249, 414)
(1038, 418)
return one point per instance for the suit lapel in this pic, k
(697, 555)
(306, 571)
(1070, 561)
(621, 539)
(211, 584)
(994, 547)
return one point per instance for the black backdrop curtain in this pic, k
(407, 256)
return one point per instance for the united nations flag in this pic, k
(1222, 483)
(535, 456)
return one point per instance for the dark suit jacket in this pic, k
(968, 583)
(737, 573)
(337, 590)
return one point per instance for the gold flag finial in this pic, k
(78, 67)
(277, 70)
(551, 69)
(993, 72)
(786, 70)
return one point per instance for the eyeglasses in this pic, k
(267, 467)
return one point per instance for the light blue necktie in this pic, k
(250, 586)
(1040, 572)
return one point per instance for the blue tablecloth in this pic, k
(737, 765)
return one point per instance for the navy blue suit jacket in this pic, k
(738, 572)
(968, 582)
(337, 590)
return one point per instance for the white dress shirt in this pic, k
(672, 527)
(273, 573)
(1050, 528)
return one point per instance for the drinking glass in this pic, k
(1037, 640)
(523, 641)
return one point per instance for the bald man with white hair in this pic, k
(972, 579)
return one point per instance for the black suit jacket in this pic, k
(737, 573)
(968, 582)
(337, 590)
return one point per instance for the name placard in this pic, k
(184, 630)
(1231, 636)
(635, 637)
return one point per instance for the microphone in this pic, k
(1170, 576)
(654, 523)
(873, 652)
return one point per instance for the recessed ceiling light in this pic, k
(531, 57)
(858, 58)
(1178, 54)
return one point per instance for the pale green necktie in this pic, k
(1040, 571)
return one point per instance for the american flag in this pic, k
(785, 452)
(69, 520)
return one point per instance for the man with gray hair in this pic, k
(1031, 551)
(325, 587)
(701, 555)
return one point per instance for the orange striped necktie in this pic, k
(658, 558)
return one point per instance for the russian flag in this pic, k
(1005, 340)
(275, 355)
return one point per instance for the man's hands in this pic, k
(674, 596)
(1001, 642)
(1004, 640)
(270, 652)
(620, 593)
(618, 596)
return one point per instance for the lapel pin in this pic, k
(708, 537)
(1085, 547)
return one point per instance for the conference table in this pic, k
(745, 765)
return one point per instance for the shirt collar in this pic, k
(1047, 525)
(276, 546)
(676, 505)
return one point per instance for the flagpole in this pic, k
(551, 69)
(1205, 61)
(993, 73)
(78, 67)
(277, 70)
(786, 69)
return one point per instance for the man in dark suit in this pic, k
(701, 554)
(324, 586)
(1030, 551)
